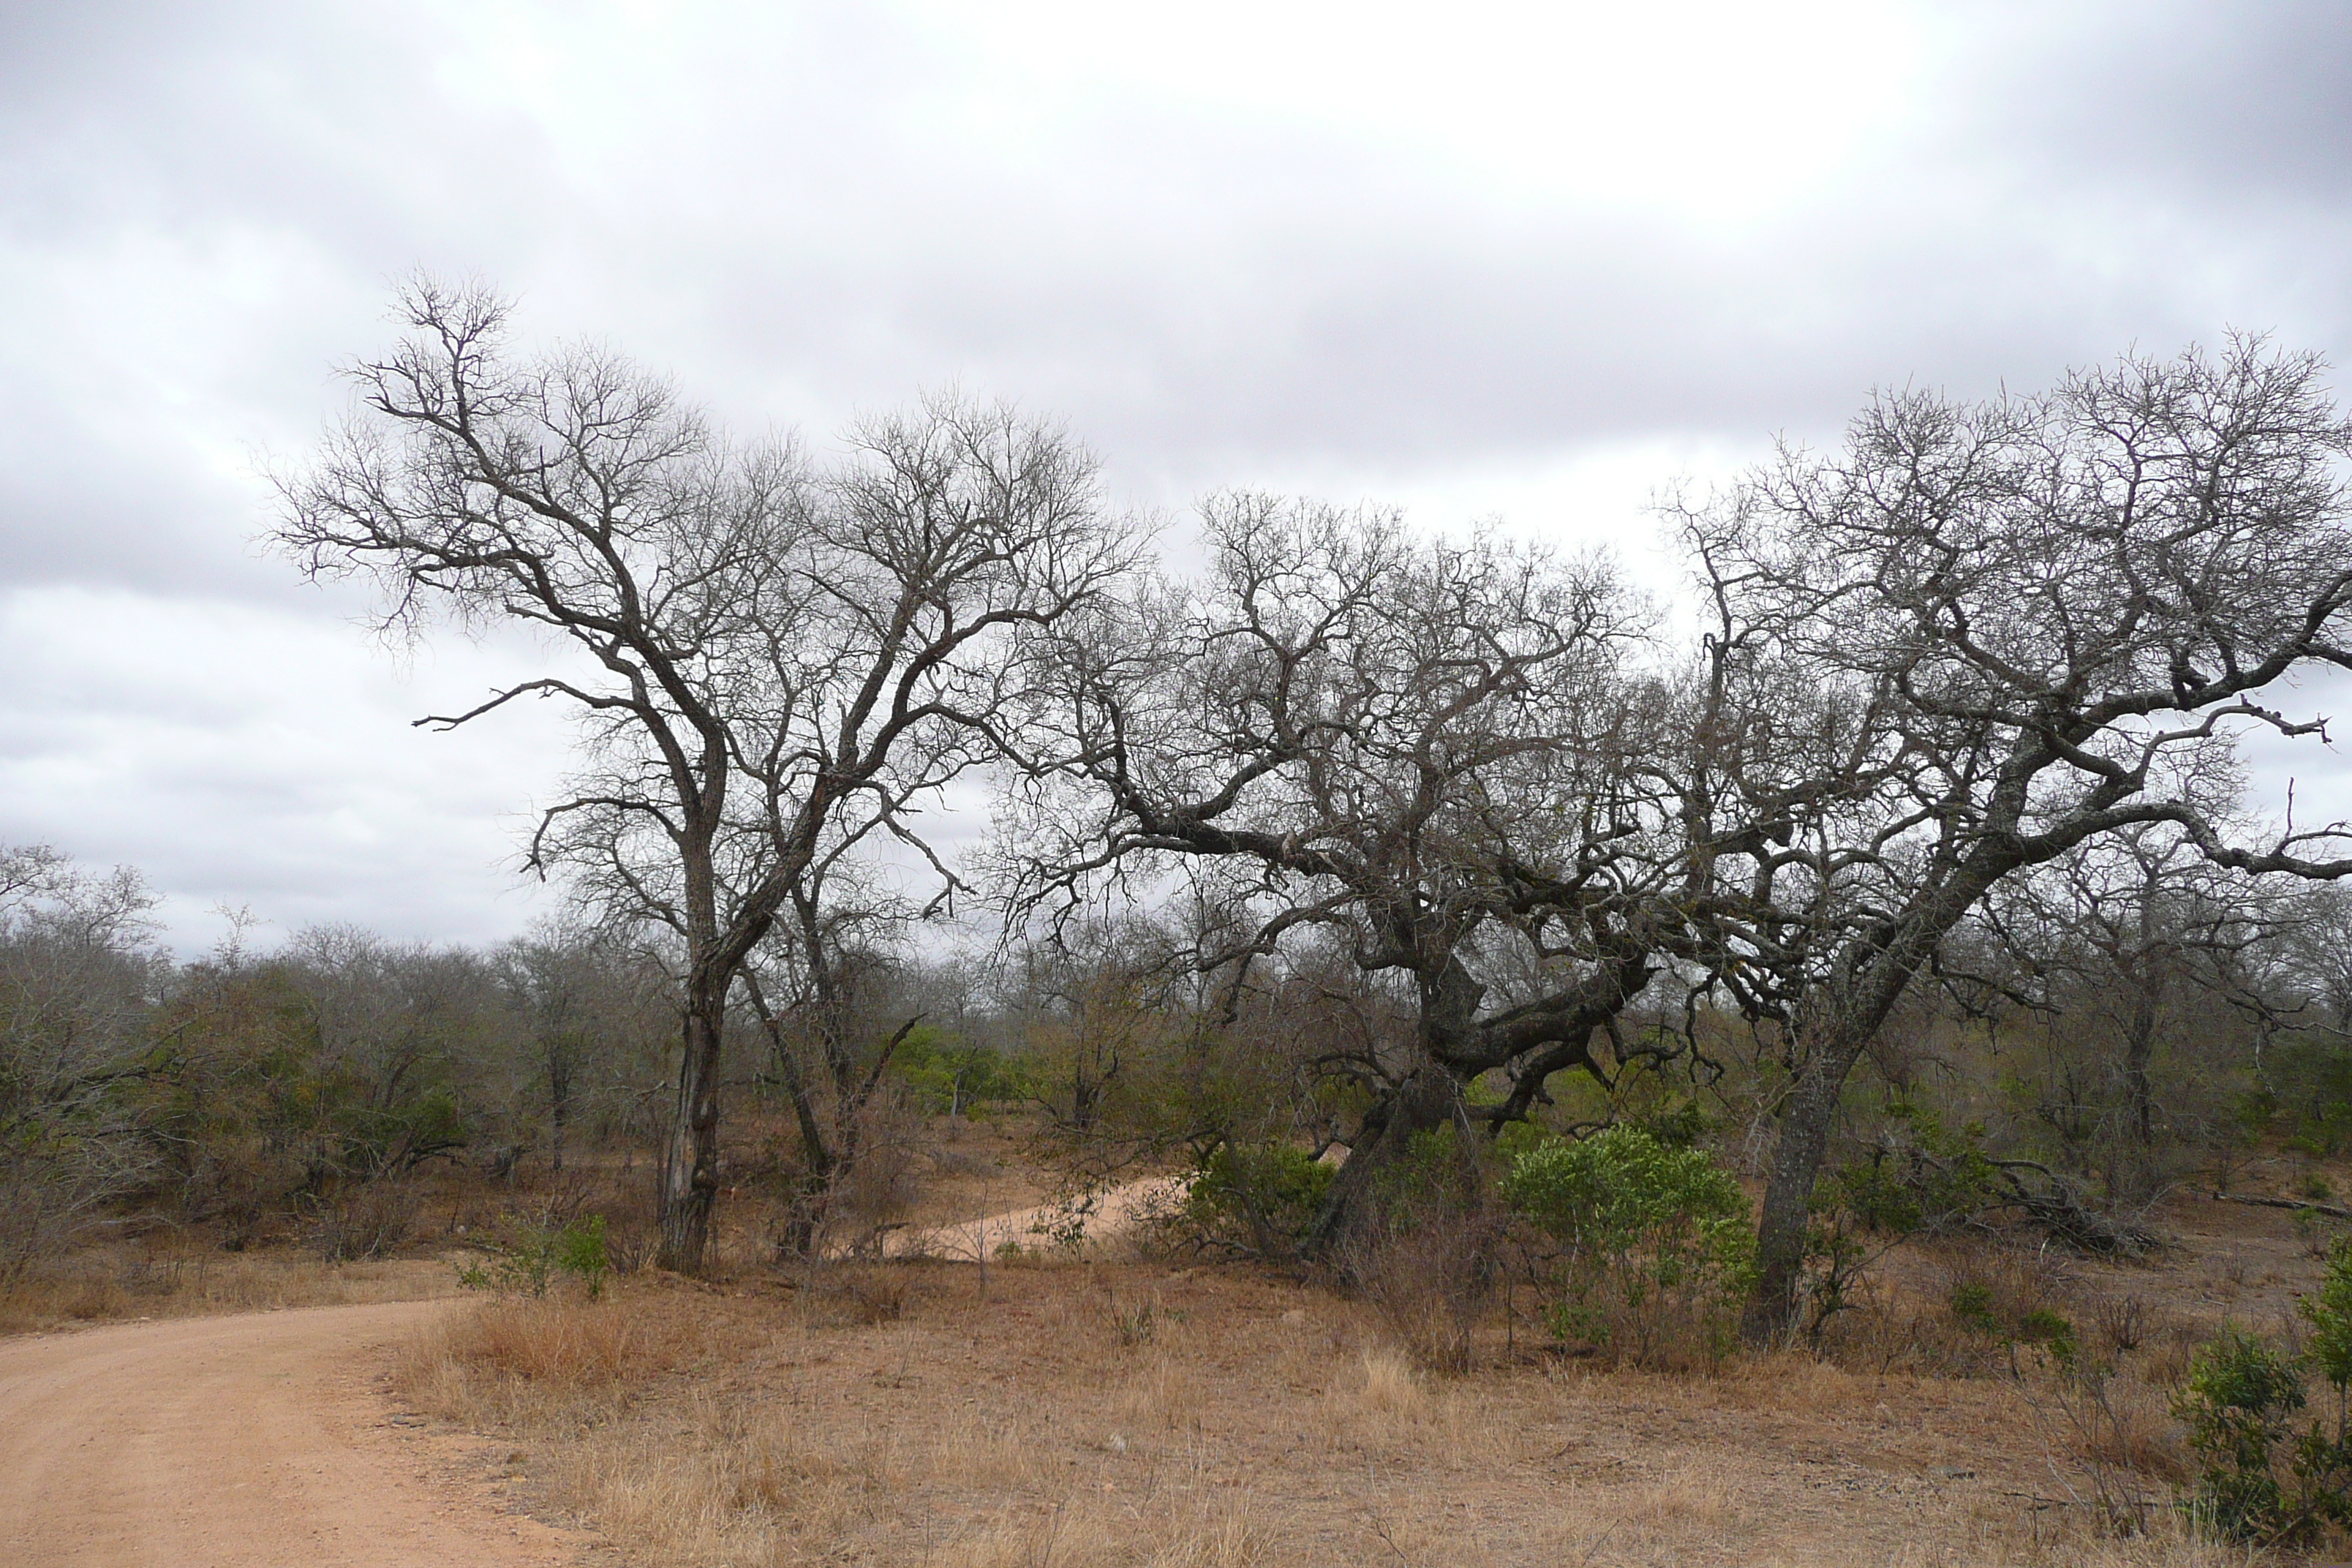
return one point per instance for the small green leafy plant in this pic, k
(528, 1264)
(1654, 1253)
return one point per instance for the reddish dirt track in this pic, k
(252, 1441)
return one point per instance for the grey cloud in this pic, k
(803, 211)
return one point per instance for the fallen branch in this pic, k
(2334, 1210)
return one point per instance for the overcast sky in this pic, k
(1533, 260)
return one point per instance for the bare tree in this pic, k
(2132, 939)
(1974, 638)
(1418, 751)
(767, 662)
(78, 975)
(582, 1000)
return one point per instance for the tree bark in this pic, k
(690, 1161)
(1427, 1100)
(1806, 1122)
(2141, 1047)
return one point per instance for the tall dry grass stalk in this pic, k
(1391, 1385)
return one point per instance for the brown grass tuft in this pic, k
(1391, 1385)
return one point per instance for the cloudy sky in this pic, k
(1532, 260)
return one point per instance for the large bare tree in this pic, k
(1419, 752)
(768, 659)
(1973, 637)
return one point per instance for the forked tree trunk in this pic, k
(1840, 1029)
(1427, 1100)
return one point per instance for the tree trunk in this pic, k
(1427, 1100)
(2139, 1047)
(1806, 1123)
(559, 1111)
(690, 1162)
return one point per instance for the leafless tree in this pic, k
(77, 971)
(1419, 752)
(1974, 637)
(2316, 976)
(582, 1002)
(821, 987)
(2131, 939)
(767, 661)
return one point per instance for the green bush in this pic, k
(528, 1264)
(1917, 1176)
(2258, 1479)
(1655, 1254)
(1255, 1198)
(2237, 1405)
(948, 1077)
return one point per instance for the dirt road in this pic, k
(240, 1442)
(1115, 1212)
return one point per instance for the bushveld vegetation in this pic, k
(1894, 995)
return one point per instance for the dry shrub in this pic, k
(1884, 1331)
(366, 1220)
(2138, 1432)
(1164, 1394)
(735, 1483)
(1133, 1322)
(1689, 1499)
(516, 1362)
(877, 1294)
(2066, 1538)
(1429, 1276)
(977, 1456)
(1957, 1312)
(2164, 1361)
(834, 1294)
(2012, 1282)
(2120, 1324)
(1391, 1385)
(1798, 1385)
(880, 1187)
(551, 1341)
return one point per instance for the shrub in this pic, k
(368, 1221)
(528, 1264)
(2237, 1405)
(2258, 1479)
(1655, 1254)
(947, 1079)
(1255, 1198)
(1426, 1263)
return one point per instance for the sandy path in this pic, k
(240, 1442)
(976, 1238)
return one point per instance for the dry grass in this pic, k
(1118, 1412)
(1255, 1422)
(1390, 1386)
(114, 1284)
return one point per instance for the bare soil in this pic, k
(249, 1441)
